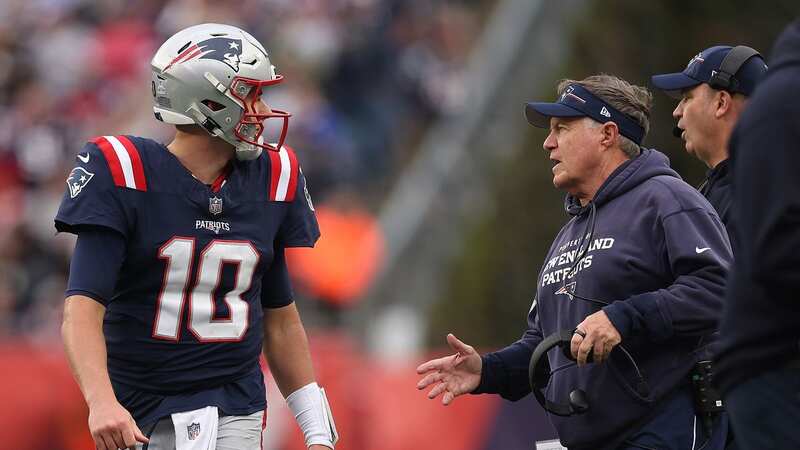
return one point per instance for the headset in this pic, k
(539, 375)
(724, 79)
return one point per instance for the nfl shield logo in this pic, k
(193, 430)
(215, 205)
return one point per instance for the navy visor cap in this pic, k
(577, 101)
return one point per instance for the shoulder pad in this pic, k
(284, 171)
(123, 160)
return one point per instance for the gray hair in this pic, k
(631, 100)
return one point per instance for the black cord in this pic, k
(580, 252)
(586, 299)
(708, 424)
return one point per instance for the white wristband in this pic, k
(313, 414)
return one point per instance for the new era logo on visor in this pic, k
(604, 112)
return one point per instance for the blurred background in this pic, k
(433, 195)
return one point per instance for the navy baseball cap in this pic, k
(577, 101)
(703, 66)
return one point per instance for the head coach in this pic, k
(634, 280)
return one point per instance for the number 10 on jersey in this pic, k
(178, 253)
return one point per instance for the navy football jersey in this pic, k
(186, 312)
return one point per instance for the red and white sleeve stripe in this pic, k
(123, 160)
(284, 172)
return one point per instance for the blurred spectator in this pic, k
(341, 267)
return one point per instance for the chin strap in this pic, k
(247, 152)
(244, 151)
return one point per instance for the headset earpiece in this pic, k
(724, 79)
(578, 401)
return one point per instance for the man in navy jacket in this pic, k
(708, 110)
(759, 358)
(641, 264)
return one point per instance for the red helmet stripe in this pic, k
(193, 55)
(179, 57)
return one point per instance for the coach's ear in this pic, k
(723, 102)
(610, 135)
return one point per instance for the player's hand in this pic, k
(113, 427)
(600, 335)
(452, 375)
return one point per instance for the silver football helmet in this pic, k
(212, 75)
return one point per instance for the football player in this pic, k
(178, 279)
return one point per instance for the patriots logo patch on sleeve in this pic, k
(78, 178)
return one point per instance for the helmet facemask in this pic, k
(251, 125)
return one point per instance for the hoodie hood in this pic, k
(650, 163)
(786, 50)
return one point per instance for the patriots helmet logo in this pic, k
(78, 179)
(226, 50)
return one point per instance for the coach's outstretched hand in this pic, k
(452, 375)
